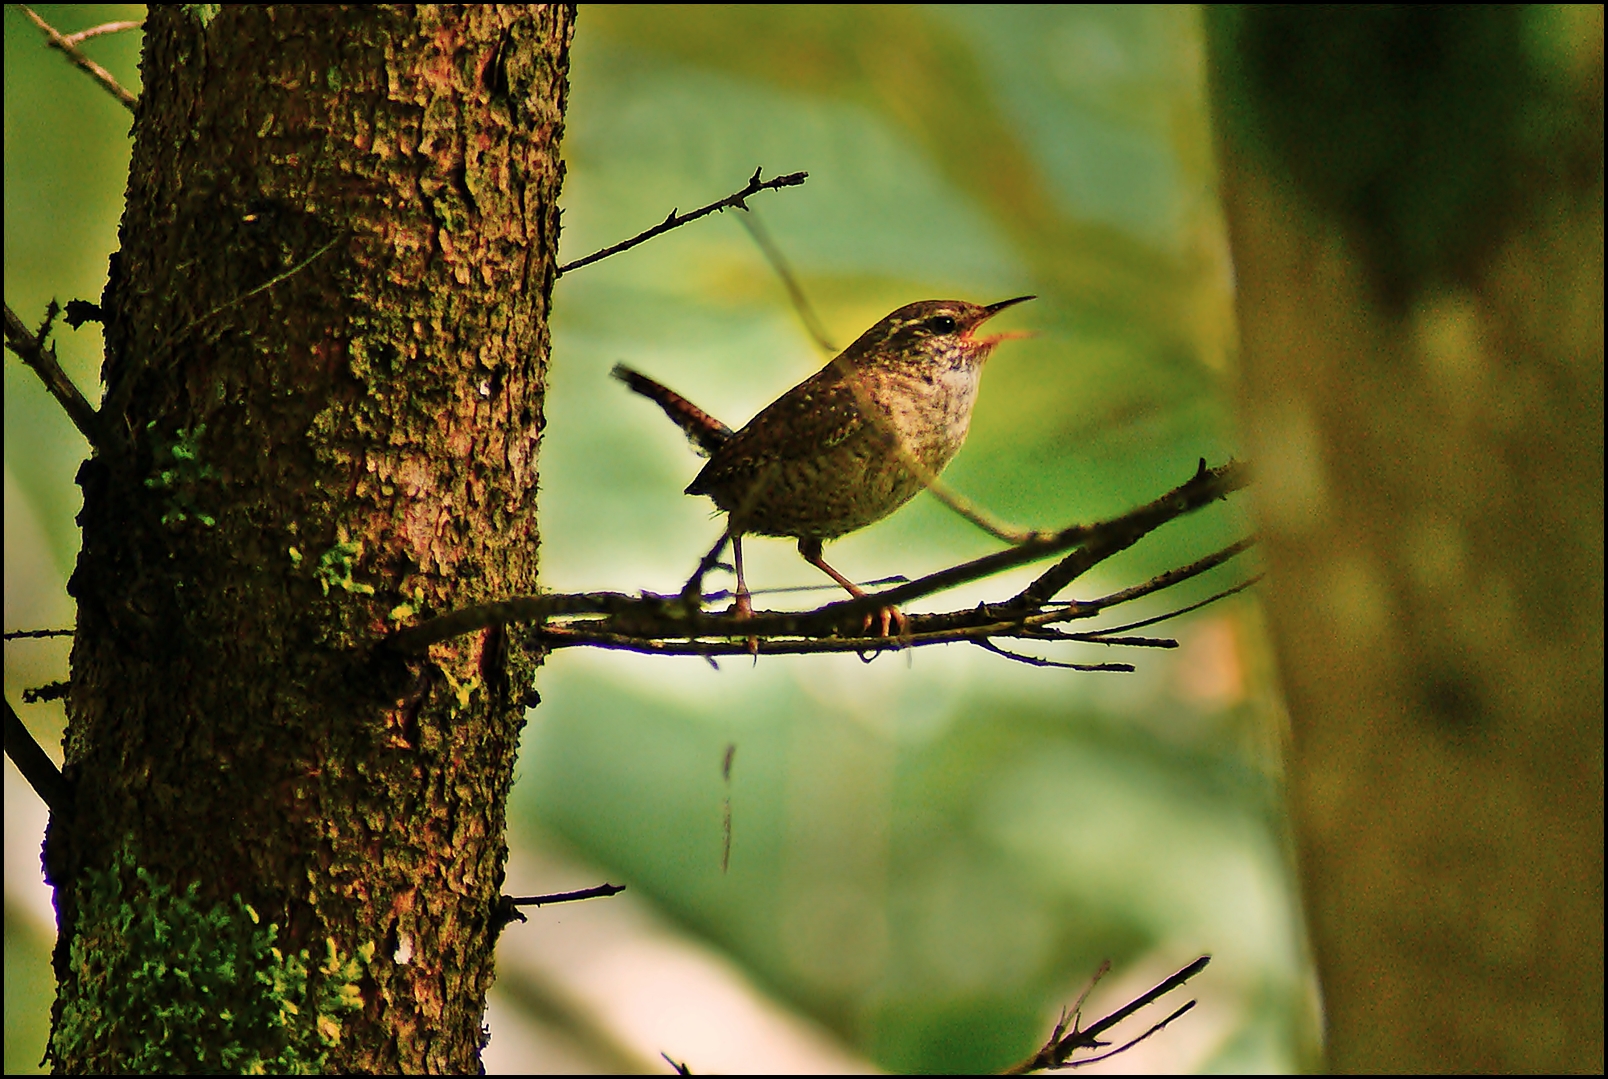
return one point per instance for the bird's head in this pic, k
(931, 331)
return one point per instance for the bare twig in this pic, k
(753, 187)
(1182, 573)
(1101, 541)
(35, 764)
(1056, 1052)
(1124, 1047)
(68, 44)
(1181, 611)
(24, 634)
(41, 359)
(1040, 661)
(103, 28)
(507, 906)
(595, 892)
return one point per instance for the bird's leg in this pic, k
(743, 607)
(886, 616)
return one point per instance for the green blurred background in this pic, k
(930, 852)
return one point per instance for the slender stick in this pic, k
(68, 44)
(41, 359)
(753, 187)
(35, 764)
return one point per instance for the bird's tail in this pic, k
(706, 433)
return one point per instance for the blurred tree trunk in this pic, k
(326, 355)
(1415, 204)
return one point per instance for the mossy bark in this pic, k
(326, 354)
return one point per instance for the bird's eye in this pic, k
(941, 324)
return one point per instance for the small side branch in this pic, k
(40, 358)
(35, 764)
(675, 220)
(507, 909)
(1056, 1052)
(68, 44)
(596, 892)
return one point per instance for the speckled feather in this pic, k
(814, 465)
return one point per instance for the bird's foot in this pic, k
(887, 618)
(743, 608)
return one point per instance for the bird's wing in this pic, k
(818, 414)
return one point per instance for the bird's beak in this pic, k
(994, 309)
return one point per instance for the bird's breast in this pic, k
(929, 407)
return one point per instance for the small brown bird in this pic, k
(851, 443)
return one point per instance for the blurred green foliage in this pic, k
(931, 853)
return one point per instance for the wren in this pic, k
(835, 453)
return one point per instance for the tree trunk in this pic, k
(1415, 207)
(326, 354)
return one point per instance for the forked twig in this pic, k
(1057, 1051)
(68, 44)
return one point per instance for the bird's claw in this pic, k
(887, 618)
(743, 608)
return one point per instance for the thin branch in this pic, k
(25, 634)
(1129, 1045)
(35, 764)
(1169, 578)
(68, 45)
(41, 359)
(773, 254)
(104, 28)
(1055, 1053)
(1099, 637)
(1181, 611)
(506, 909)
(596, 892)
(719, 594)
(1063, 573)
(1040, 661)
(736, 200)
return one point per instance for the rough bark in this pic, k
(326, 348)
